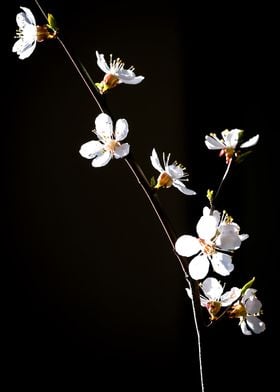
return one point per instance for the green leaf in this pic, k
(242, 156)
(153, 182)
(247, 285)
(52, 22)
(210, 195)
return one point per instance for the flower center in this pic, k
(111, 145)
(110, 80)
(207, 248)
(213, 308)
(164, 180)
(237, 311)
(228, 153)
(44, 33)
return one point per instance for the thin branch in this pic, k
(73, 62)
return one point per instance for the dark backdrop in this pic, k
(93, 291)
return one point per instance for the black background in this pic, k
(95, 297)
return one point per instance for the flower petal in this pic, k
(255, 324)
(102, 159)
(212, 288)
(251, 142)
(155, 161)
(199, 267)
(104, 127)
(182, 187)
(230, 296)
(121, 151)
(127, 76)
(245, 330)
(212, 143)
(187, 245)
(101, 62)
(253, 305)
(121, 129)
(90, 149)
(222, 263)
(27, 15)
(206, 227)
(231, 137)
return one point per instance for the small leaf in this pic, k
(240, 158)
(153, 182)
(209, 195)
(52, 22)
(247, 285)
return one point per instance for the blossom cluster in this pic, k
(218, 237)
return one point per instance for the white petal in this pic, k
(253, 305)
(230, 296)
(206, 227)
(251, 142)
(90, 149)
(213, 143)
(136, 80)
(121, 151)
(155, 161)
(175, 171)
(255, 324)
(245, 330)
(182, 188)
(243, 237)
(121, 129)
(29, 17)
(228, 240)
(212, 288)
(127, 76)
(101, 62)
(222, 264)
(231, 138)
(199, 267)
(27, 51)
(248, 293)
(102, 159)
(187, 245)
(104, 126)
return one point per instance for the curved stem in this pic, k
(221, 183)
(162, 217)
(193, 285)
(73, 61)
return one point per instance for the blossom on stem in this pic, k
(170, 174)
(247, 310)
(214, 299)
(115, 73)
(229, 142)
(108, 146)
(217, 238)
(29, 34)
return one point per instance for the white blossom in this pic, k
(229, 142)
(247, 310)
(115, 73)
(217, 239)
(27, 34)
(108, 145)
(170, 174)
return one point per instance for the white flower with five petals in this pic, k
(115, 73)
(247, 310)
(214, 299)
(214, 244)
(170, 174)
(229, 142)
(27, 34)
(108, 146)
